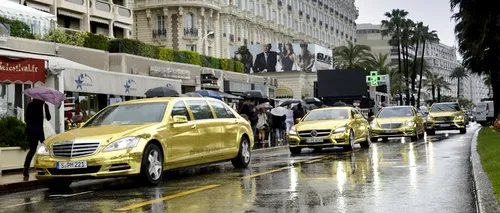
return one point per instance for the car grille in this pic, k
(319, 133)
(391, 125)
(71, 149)
(444, 118)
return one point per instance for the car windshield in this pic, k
(129, 114)
(330, 114)
(445, 107)
(395, 112)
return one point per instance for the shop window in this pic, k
(180, 109)
(200, 110)
(220, 110)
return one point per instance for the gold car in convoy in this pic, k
(144, 138)
(329, 127)
(446, 116)
(397, 121)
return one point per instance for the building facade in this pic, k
(211, 27)
(475, 89)
(111, 18)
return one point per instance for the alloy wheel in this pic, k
(155, 165)
(245, 152)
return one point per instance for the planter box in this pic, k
(12, 158)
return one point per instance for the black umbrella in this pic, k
(161, 92)
(254, 94)
(313, 100)
(290, 102)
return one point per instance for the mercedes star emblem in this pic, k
(314, 133)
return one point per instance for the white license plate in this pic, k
(444, 125)
(390, 131)
(72, 165)
(314, 140)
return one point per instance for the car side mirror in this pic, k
(179, 119)
(297, 120)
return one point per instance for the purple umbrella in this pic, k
(46, 94)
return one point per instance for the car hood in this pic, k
(317, 125)
(105, 134)
(442, 114)
(393, 119)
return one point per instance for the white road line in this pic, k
(22, 204)
(71, 195)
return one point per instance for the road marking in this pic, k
(71, 195)
(267, 172)
(22, 204)
(192, 191)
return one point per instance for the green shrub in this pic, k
(12, 133)
(230, 64)
(61, 36)
(94, 41)
(166, 54)
(18, 28)
(238, 66)
(211, 62)
(124, 45)
(148, 50)
(191, 57)
(224, 64)
(180, 57)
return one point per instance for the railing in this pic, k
(191, 32)
(159, 33)
(103, 6)
(231, 38)
(123, 11)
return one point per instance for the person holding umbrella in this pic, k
(279, 117)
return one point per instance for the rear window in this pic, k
(452, 107)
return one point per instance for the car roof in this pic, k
(162, 99)
(397, 107)
(330, 108)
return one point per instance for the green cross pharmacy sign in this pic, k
(373, 78)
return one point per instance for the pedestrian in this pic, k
(277, 124)
(289, 119)
(298, 113)
(261, 124)
(36, 112)
(248, 109)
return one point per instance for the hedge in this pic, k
(94, 41)
(167, 54)
(13, 133)
(18, 28)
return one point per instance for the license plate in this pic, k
(314, 140)
(72, 165)
(390, 131)
(444, 125)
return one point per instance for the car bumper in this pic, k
(454, 125)
(99, 165)
(338, 139)
(400, 132)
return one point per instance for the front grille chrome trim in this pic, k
(75, 148)
(391, 125)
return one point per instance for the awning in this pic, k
(81, 78)
(99, 20)
(10, 9)
(69, 14)
(123, 26)
(38, 6)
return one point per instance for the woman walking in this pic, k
(289, 120)
(36, 112)
(261, 124)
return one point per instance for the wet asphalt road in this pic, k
(431, 175)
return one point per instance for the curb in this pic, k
(486, 201)
(270, 149)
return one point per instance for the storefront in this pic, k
(236, 88)
(190, 78)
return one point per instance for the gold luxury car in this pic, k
(445, 116)
(146, 137)
(328, 127)
(397, 121)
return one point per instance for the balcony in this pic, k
(101, 9)
(280, 3)
(308, 16)
(123, 15)
(78, 6)
(320, 3)
(159, 33)
(191, 33)
(208, 4)
(289, 7)
(301, 13)
(231, 37)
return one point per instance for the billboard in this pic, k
(283, 57)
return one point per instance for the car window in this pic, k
(229, 112)
(445, 107)
(395, 112)
(356, 111)
(180, 109)
(220, 110)
(352, 113)
(129, 114)
(329, 114)
(200, 109)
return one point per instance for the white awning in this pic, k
(124, 26)
(81, 78)
(38, 6)
(99, 20)
(69, 14)
(13, 9)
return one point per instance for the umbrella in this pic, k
(265, 105)
(209, 93)
(293, 102)
(279, 111)
(161, 92)
(46, 94)
(253, 94)
(312, 100)
(192, 94)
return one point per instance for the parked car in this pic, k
(329, 127)
(144, 138)
(485, 112)
(398, 121)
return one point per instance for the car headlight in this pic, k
(42, 150)
(124, 143)
(410, 123)
(292, 132)
(430, 118)
(340, 129)
(459, 117)
(373, 125)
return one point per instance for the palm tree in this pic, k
(415, 68)
(417, 36)
(458, 73)
(380, 62)
(406, 38)
(352, 55)
(427, 36)
(395, 79)
(431, 81)
(441, 85)
(393, 27)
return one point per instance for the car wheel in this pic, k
(318, 149)
(368, 142)
(244, 155)
(431, 132)
(295, 150)
(416, 137)
(58, 184)
(152, 165)
(463, 131)
(374, 140)
(351, 142)
(385, 139)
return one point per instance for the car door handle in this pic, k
(193, 127)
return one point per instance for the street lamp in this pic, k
(205, 38)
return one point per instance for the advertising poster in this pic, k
(283, 57)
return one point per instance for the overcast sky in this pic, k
(435, 13)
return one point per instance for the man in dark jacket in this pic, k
(34, 128)
(298, 113)
(248, 109)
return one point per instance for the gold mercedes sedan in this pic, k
(329, 127)
(446, 116)
(145, 137)
(397, 121)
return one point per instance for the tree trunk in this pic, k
(439, 95)
(399, 52)
(420, 77)
(433, 88)
(458, 89)
(407, 76)
(414, 73)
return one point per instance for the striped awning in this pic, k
(124, 26)
(38, 6)
(69, 14)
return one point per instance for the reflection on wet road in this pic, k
(430, 175)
